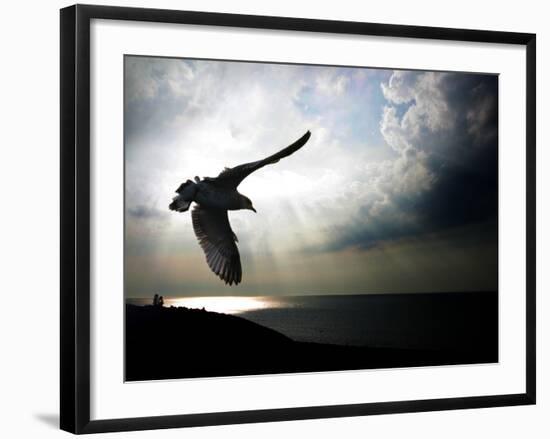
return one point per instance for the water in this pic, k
(414, 321)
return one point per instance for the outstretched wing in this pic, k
(218, 242)
(232, 177)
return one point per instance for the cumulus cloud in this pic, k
(443, 128)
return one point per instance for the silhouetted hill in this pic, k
(163, 343)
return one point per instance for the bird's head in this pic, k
(246, 203)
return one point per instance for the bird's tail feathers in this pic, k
(186, 195)
(181, 189)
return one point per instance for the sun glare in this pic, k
(223, 304)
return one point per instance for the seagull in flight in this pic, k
(213, 197)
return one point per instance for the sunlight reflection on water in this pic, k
(223, 304)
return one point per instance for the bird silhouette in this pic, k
(213, 197)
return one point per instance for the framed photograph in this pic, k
(268, 219)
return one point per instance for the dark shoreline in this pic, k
(170, 343)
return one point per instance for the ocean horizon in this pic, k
(443, 320)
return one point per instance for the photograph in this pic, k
(299, 218)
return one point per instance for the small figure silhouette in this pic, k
(156, 300)
(161, 301)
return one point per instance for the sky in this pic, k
(396, 190)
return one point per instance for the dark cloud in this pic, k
(461, 160)
(146, 212)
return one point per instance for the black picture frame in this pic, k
(75, 217)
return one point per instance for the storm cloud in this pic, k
(446, 171)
